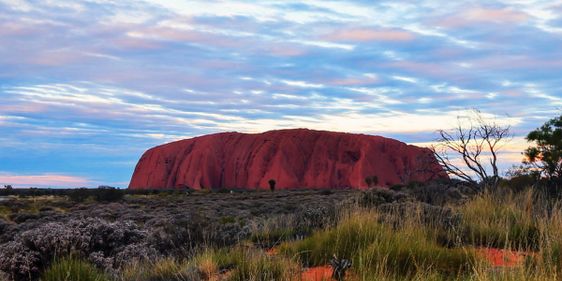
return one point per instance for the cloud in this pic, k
(18, 5)
(366, 34)
(98, 82)
(482, 15)
(42, 180)
(302, 84)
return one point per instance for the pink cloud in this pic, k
(135, 43)
(516, 62)
(27, 107)
(42, 180)
(483, 15)
(368, 34)
(435, 70)
(285, 51)
(355, 81)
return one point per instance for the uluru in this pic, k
(294, 158)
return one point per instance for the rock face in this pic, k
(297, 158)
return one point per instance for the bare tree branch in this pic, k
(476, 143)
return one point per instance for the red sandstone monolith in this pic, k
(296, 158)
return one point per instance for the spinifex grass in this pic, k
(507, 221)
(374, 246)
(73, 269)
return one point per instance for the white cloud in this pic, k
(19, 5)
(302, 84)
(405, 79)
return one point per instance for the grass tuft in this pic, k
(73, 269)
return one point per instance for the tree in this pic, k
(476, 142)
(372, 181)
(271, 184)
(545, 156)
(8, 187)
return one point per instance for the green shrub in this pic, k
(166, 269)
(371, 244)
(272, 237)
(79, 194)
(73, 269)
(108, 194)
(244, 263)
(505, 221)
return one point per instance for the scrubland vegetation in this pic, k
(387, 234)
(487, 229)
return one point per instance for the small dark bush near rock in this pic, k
(439, 193)
(326, 192)
(377, 196)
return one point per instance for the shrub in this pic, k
(377, 196)
(167, 269)
(90, 238)
(271, 237)
(372, 181)
(310, 218)
(108, 194)
(363, 239)
(18, 261)
(84, 236)
(261, 267)
(79, 194)
(245, 264)
(505, 221)
(73, 269)
(138, 252)
(3, 225)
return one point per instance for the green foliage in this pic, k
(370, 243)
(271, 237)
(243, 264)
(73, 269)
(546, 154)
(108, 194)
(261, 267)
(505, 221)
(227, 219)
(166, 269)
(79, 195)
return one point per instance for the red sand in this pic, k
(272, 251)
(319, 273)
(296, 158)
(503, 258)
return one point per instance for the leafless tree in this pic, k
(474, 144)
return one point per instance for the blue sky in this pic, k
(87, 86)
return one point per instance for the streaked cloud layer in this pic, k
(87, 86)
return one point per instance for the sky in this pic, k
(86, 86)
